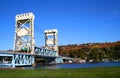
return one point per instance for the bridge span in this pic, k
(10, 59)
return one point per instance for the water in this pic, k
(83, 65)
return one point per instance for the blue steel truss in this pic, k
(22, 60)
(25, 59)
(17, 59)
(45, 52)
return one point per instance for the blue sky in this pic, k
(77, 21)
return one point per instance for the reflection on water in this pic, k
(83, 65)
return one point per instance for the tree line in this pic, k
(97, 52)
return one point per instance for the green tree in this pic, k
(94, 55)
(101, 55)
(82, 54)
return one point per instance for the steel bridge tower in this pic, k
(51, 40)
(24, 33)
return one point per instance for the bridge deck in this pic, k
(21, 58)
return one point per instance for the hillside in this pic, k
(109, 51)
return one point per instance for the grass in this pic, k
(108, 72)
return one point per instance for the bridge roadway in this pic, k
(10, 59)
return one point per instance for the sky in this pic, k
(77, 21)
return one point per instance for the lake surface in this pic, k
(83, 65)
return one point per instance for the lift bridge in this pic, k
(24, 51)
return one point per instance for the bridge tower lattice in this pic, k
(24, 33)
(51, 39)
